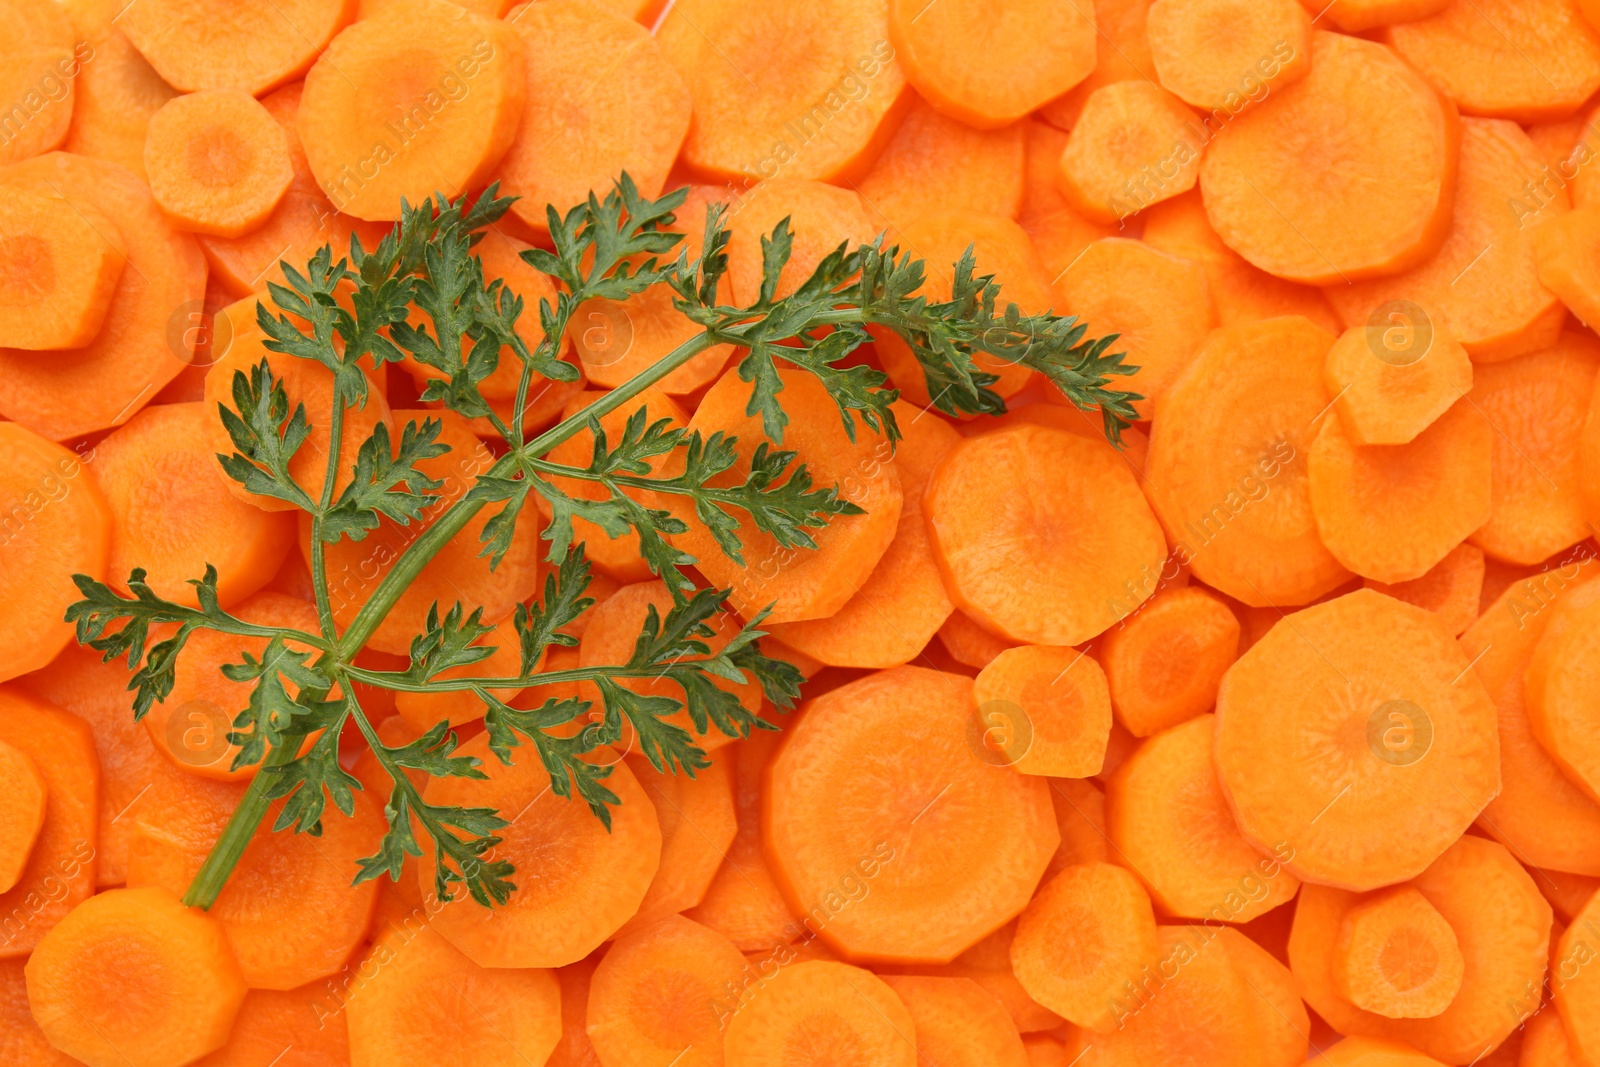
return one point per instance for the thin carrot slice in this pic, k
(1391, 512)
(1135, 144)
(1080, 807)
(101, 384)
(1168, 819)
(1122, 53)
(1545, 1044)
(21, 813)
(1213, 53)
(970, 644)
(958, 1023)
(1501, 924)
(1060, 694)
(1482, 56)
(918, 814)
(218, 162)
(937, 163)
(1375, 1052)
(422, 710)
(1027, 563)
(1561, 688)
(423, 987)
(1227, 468)
(653, 999)
(292, 1025)
(1483, 283)
(1397, 956)
(134, 969)
(698, 825)
(817, 1009)
(902, 603)
(756, 114)
(1537, 406)
(1392, 379)
(798, 583)
(1450, 589)
(577, 882)
(59, 271)
(113, 98)
(1157, 305)
(1408, 729)
(388, 114)
(820, 218)
(1577, 994)
(1089, 932)
(253, 49)
(1164, 664)
(1308, 185)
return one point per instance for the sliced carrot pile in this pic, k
(1561, 688)
(1393, 378)
(21, 813)
(1397, 956)
(1218, 54)
(1057, 699)
(937, 163)
(1165, 662)
(1346, 174)
(60, 264)
(254, 49)
(1135, 144)
(959, 1023)
(698, 824)
(1577, 996)
(815, 1009)
(821, 217)
(1569, 263)
(1450, 589)
(218, 161)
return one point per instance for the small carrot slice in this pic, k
(970, 644)
(1164, 664)
(816, 1008)
(1560, 687)
(1450, 589)
(1308, 186)
(755, 115)
(934, 162)
(820, 216)
(1122, 53)
(1061, 696)
(1134, 145)
(577, 882)
(388, 114)
(293, 1025)
(652, 1001)
(634, 119)
(113, 99)
(422, 987)
(1027, 564)
(1577, 996)
(1212, 53)
(21, 813)
(1392, 379)
(59, 271)
(251, 49)
(958, 1023)
(135, 970)
(1375, 1052)
(218, 162)
(1414, 730)
(698, 825)
(1397, 956)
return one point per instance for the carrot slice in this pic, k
(1216, 54)
(1560, 688)
(1481, 56)
(798, 583)
(1375, 1052)
(1567, 893)
(1545, 1044)
(575, 1049)
(1277, 1007)
(113, 98)
(577, 882)
(1397, 956)
(1122, 53)
(917, 814)
(38, 83)
(21, 1040)
(1386, 684)
(101, 384)
(1080, 807)
(1391, 512)
(958, 1023)
(1089, 932)
(59, 271)
(1026, 562)
(970, 644)
(820, 218)
(1165, 662)
(1157, 305)
(218, 162)
(21, 813)
(1568, 262)
(134, 969)
(1308, 185)
(290, 1024)
(698, 825)
(1577, 994)
(1450, 589)
(653, 999)
(1483, 283)
(1135, 144)
(902, 603)
(1393, 378)
(388, 114)
(1056, 699)
(1501, 924)
(1227, 471)
(251, 49)
(934, 163)
(1537, 405)
(423, 987)
(817, 1009)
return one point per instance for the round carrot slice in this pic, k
(1577, 995)
(633, 118)
(1227, 467)
(1212, 53)
(924, 807)
(390, 114)
(294, 1025)
(934, 162)
(577, 882)
(818, 1009)
(137, 349)
(1392, 379)
(60, 266)
(698, 825)
(959, 1023)
(758, 114)
(243, 47)
(1165, 662)
(218, 161)
(1397, 956)
(1406, 753)
(1037, 532)
(1134, 145)
(1346, 174)
(1560, 682)
(133, 970)
(1061, 695)
(21, 813)
(55, 524)
(1049, 47)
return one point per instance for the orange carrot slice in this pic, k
(1397, 956)
(970, 644)
(959, 1023)
(218, 161)
(1568, 264)
(1560, 688)
(1413, 727)
(1134, 145)
(290, 1024)
(21, 813)
(1080, 807)
(1061, 696)
(820, 1008)
(575, 1049)
(909, 823)
(1306, 186)
(1393, 378)
(39, 84)
(1165, 662)
(698, 825)
(1450, 589)
(113, 99)
(1375, 1051)
(1216, 54)
(934, 162)
(60, 272)
(1545, 1044)
(1122, 53)
(1577, 995)
(21, 1040)
(820, 218)
(254, 50)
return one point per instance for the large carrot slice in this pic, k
(934, 162)
(1393, 378)
(1501, 924)
(818, 1009)
(1061, 696)
(388, 113)
(758, 115)
(218, 161)
(1308, 185)
(1482, 56)
(959, 1023)
(21, 813)
(1560, 688)
(1483, 283)
(292, 1025)
(1451, 589)
(254, 49)
(1576, 994)
(1227, 468)
(1222, 54)
(59, 271)
(134, 969)
(113, 99)
(698, 824)
(1134, 145)
(577, 883)
(1397, 956)
(820, 218)
(902, 603)
(653, 1000)
(134, 354)
(1122, 53)
(909, 823)
(1165, 662)
(1027, 563)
